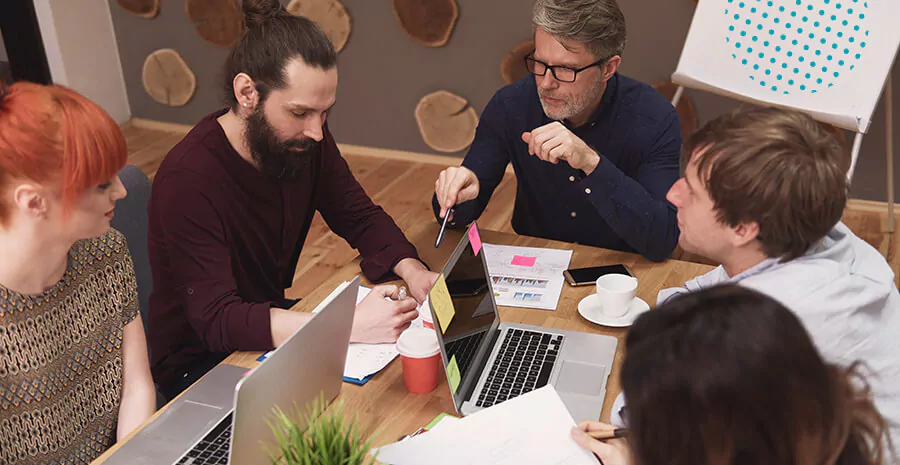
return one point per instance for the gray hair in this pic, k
(598, 24)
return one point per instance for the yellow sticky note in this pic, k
(453, 374)
(439, 296)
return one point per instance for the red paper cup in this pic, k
(420, 356)
(425, 311)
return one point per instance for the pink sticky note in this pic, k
(519, 260)
(475, 239)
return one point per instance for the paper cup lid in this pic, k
(418, 343)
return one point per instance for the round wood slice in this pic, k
(219, 22)
(446, 121)
(168, 79)
(330, 15)
(428, 21)
(685, 108)
(141, 8)
(512, 68)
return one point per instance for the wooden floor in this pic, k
(403, 187)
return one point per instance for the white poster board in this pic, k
(828, 58)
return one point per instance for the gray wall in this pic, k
(383, 73)
(3, 56)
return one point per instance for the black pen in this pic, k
(440, 238)
(604, 435)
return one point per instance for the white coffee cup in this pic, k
(616, 292)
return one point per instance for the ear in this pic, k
(31, 200)
(245, 91)
(610, 67)
(745, 233)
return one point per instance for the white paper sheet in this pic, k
(366, 359)
(526, 277)
(532, 429)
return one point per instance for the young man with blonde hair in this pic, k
(594, 152)
(763, 193)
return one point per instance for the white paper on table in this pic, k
(536, 285)
(366, 359)
(533, 428)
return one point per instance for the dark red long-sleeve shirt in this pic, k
(224, 242)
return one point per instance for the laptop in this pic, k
(221, 419)
(498, 361)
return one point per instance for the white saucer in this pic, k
(589, 308)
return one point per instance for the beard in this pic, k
(287, 159)
(573, 105)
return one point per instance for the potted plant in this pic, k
(329, 437)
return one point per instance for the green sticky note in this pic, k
(436, 420)
(453, 374)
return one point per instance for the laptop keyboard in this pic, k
(464, 349)
(523, 364)
(213, 448)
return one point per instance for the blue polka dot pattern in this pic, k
(837, 26)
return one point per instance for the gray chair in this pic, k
(132, 221)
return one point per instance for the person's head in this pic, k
(764, 178)
(281, 78)
(59, 158)
(575, 34)
(729, 376)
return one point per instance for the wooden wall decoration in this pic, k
(168, 79)
(430, 22)
(686, 112)
(512, 68)
(446, 121)
(330, 15)
(219, 22)
(141, 8)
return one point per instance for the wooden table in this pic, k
(386, 410)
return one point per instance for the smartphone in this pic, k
(588, 276)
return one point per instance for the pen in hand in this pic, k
(440, 237)
(604, 435)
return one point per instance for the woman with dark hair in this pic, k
(74, 376)
(728, 376)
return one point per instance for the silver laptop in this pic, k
(498, 361)
(222, 418)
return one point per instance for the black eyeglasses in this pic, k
(560, 73)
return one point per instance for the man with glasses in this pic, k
(594, 152)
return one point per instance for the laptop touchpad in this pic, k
(581, 378)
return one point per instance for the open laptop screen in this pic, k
(475, 311)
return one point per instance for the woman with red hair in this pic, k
(74, 375)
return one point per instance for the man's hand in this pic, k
(417, 277)
(554, 142)
(610, 452)
(454, 186)
(379, 318)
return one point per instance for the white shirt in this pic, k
(843, 292)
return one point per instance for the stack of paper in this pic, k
(528, 277)
(533, 428)
(363, 360)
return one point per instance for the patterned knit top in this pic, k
(61, 358)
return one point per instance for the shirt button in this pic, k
(573, 214)
(587, 190)
(572, 178)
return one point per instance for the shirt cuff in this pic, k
(380, 267)
(602, 185)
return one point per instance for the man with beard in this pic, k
(594, 152)
(232, 205)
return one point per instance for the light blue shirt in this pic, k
(843, 292)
